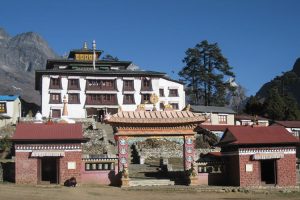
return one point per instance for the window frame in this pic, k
(72, 101)
(55, 101)
(4, 110)
(55, 83)
(131, 100)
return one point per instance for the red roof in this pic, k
(249, 117)
(288, 124)
(245, 135)
(215, 127)
(54, 131)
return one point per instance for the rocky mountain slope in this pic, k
(287, 83)
(20, 56)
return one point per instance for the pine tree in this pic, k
(291, 111)
(253, 106)
(204, 73)
(274, 105)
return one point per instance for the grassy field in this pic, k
(91, 192)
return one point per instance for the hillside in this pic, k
(20, 56)
(287, 83)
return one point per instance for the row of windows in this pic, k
(128, 85)
(95, 99)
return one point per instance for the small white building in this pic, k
(247, 120)
(10, 109)
(215, 115)
(94, 87)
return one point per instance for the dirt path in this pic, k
(18, 192)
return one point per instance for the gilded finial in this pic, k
(168, 107)
(187, 107)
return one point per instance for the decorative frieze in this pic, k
(65, 147)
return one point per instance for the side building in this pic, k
(10, 109)
(95, 87)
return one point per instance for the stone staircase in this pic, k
(147, 175)
(150, 182)
(108, 137)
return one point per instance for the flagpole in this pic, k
(94, 54)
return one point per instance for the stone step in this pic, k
(150, 182)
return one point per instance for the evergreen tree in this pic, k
(291, 111)
(274, 105)
(204, 73)
(254, 106)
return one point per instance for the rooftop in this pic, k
(211, 109)
(48, 132)
(155, 117)
(214, 127)
(251, 135)
(249, 117)
(8, 97)
(287, 124)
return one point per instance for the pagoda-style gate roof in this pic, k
(133, 123)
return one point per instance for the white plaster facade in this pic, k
(214, 119)
(79, 110)
(13, 111)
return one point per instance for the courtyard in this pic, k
(17, 192)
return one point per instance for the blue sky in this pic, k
(260, 38)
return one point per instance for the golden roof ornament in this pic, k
(168, 107)
(154, 98)
(187, 107)
(140, 107)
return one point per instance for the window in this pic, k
(222, 119)
(161, 106)
(128, 85)
(161, 92)
(55, 98)
(55, 83)
(56, 113)
(128, 99)
(2, 107)
(99, 166)
(100, 99)
(145, 99)
(100, 85)
(73, 99)
(146, 84)
(173, 93)
(73, 84)
(174, 106)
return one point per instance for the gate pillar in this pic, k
(123, 152)
(188, 151)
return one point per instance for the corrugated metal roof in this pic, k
(8, 97)
(214, 127)
(249, 117)
(155, 117)
(211, 109)
(50, 131)
(249, 135)
(288, 124)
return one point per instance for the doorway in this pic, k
(49, 170)
(268, 171)
(101, 115)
